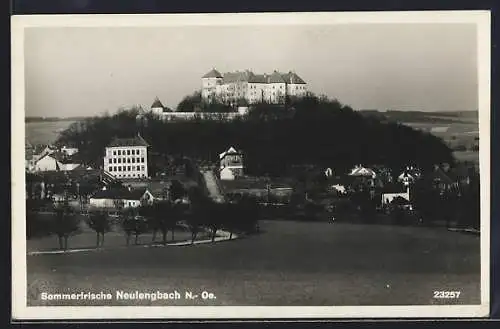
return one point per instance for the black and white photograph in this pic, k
(282, 165)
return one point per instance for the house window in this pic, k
(142, 159)
(130, 204)
(119, 152)
(128, 160)
(133, 160)
(138, 160)
(110, 161)
(119, 160)
(138, 168)
(110, 168)
(128, 168)
(114, 152)
(142, 168)
(128, 152)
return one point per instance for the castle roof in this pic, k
(135, 141)
(292, 78)
(236, 76)
(212, 74)
(275, 77)
(157, 103)
(249, 76)
(257, 78)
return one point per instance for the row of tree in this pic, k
(161, 217)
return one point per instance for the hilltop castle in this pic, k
(254, 88)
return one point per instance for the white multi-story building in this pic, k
(254, 88)
(127, 158)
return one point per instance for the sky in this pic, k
(84, 71)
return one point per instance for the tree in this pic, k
(176, 190)
(163, 217)
(65, 224)
(284, 137)
(244, 216)
(190, 103)
(195, 223)
(132, 224)
(215, 215)
(98, 221)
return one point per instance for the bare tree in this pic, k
(99, 222)
(65, 224)
(132, 224)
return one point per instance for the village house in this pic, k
(154, 190)
(117, 198)
(362, 178)
(53, 162)
(69, 151)
(231, 164)
(394, 191)
(409, 175)
(127, 158)
(361, 171)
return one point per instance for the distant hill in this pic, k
(423, 117)
(52, 119)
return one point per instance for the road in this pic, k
(289, 263)
(213, 188)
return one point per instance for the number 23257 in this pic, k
(443, 294)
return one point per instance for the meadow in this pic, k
(455, 128)
(288, 263)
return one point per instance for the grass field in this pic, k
(289, 263)
(44, 132)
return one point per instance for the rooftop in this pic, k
(249, 76)
(213, 73)
(119, 194)
(123, 142)
(231, 150)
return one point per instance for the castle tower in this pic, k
(157, 107)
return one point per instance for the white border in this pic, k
(19, 277)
